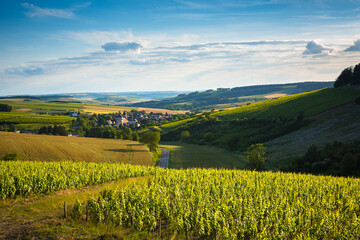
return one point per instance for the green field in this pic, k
(309, 103)
(189, 156)
(31, 118)
(57, 148)
(39, 106)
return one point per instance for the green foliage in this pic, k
(151, 139)
(5, 108)
(10, 156)
(350, 76)
(209, 137)
(185, 135)
(135, 136)
(344, 78)
(230, 204)
(256, 156)
(21, 178)
(56, 130)
(237, 134)
(348, 164)
(76, 210)
(335, 158)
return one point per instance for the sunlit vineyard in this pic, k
(230, 204)
(20, 178)
(309, 103)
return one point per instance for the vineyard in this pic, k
(230, 204)
(21, 178)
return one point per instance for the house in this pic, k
(134, 123)
(109, 122)
(74, 114)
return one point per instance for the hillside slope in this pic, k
(309, 103)
(227, 97)
(57, 148)
(238, 128)
(342, 125)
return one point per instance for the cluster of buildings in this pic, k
(135, 119)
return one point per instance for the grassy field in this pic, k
(184, 155)
(56, 148)
(31, 118)
(39, 106)
(310, 103)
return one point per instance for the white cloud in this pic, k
(354, 48)
(313, 47)
(176, 66)
(35, 11)
(122, 47)
(24, 71)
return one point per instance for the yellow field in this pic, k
(57, 148)
(113, 109)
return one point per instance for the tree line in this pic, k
(337, 159)
(350, 76)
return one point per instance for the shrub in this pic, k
(11, 156)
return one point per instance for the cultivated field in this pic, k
(40, 106)
(101, 109)
(57, 148)
(232, 204)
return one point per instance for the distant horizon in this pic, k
(160, 91)
(103, 46)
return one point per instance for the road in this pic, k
(164, 158)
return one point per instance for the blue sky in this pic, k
(141, 45)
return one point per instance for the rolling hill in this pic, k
(57, 148)
(238, 128)
(230, 97)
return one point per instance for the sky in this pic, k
(66, 46)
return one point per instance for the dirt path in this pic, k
(164, 158)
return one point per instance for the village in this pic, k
(135, 119)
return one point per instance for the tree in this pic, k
(151, 139)
(209, 137)
(11, 156)
(344, 78)
(348, 164)
(5, 108)
(135, 136)
(256, 156)
(356, 75)
(185, 135)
